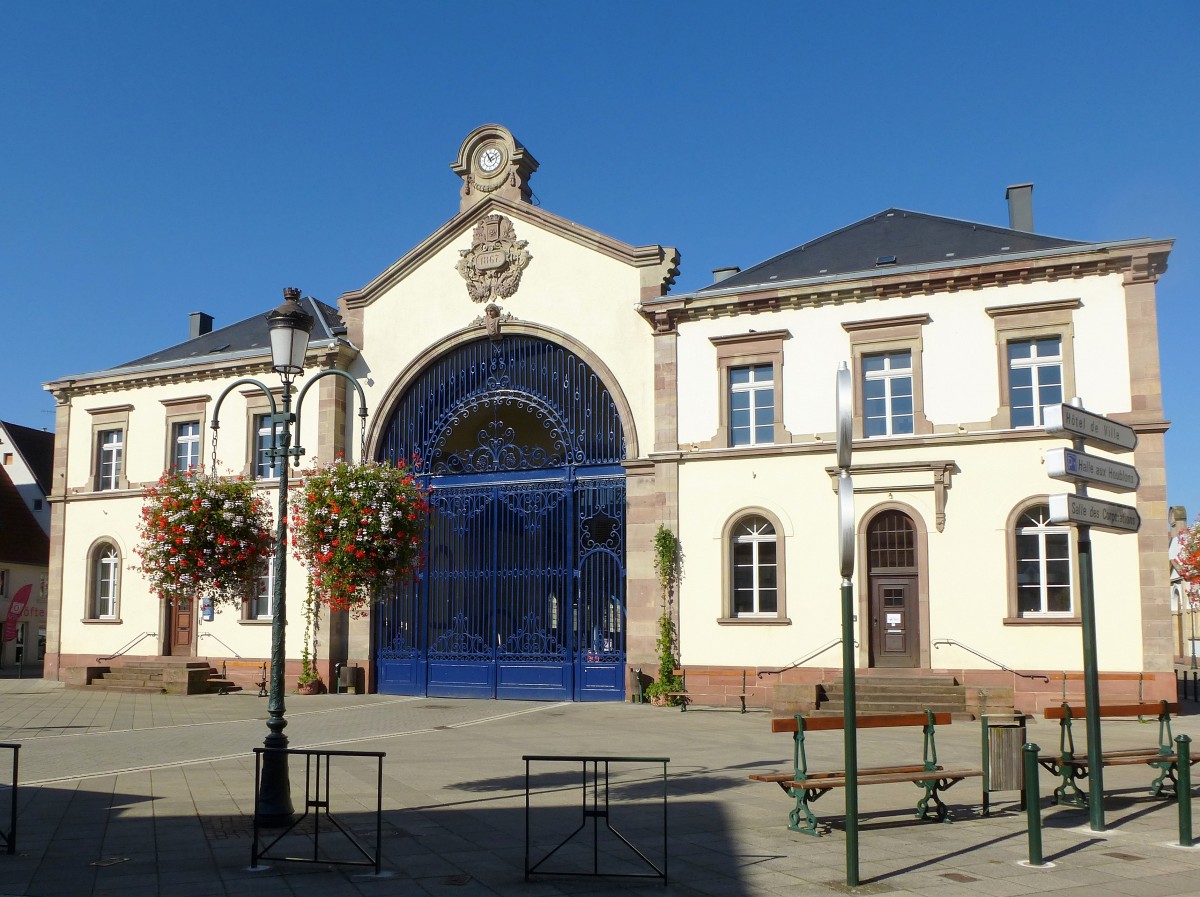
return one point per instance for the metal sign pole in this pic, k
(845, 432)
(1091, 676)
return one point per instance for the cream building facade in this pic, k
(562, 403)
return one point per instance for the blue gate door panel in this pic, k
(449, 679)
(522, 594)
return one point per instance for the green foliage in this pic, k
(668, 562)
(308, 653)
(668, 567)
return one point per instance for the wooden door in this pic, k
(895, 622)
(180, 622)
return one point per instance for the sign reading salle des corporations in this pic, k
(1107, 515)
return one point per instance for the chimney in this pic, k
(199, 324)
(1020, 207)
(720, 274)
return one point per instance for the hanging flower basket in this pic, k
(201, 536)
(357, 528)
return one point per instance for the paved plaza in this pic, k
(138, 795)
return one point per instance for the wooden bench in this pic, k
(806, 787)
(264, 673)
(1069, 768)
(682, 694)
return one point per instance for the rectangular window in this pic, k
(1034, 378)
(752, 405)
(262, 607)
(185, 440)
(887, 380)
(112, 446)
(264, 464)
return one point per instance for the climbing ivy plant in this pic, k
(668, 567)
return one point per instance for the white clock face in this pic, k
(490, 159)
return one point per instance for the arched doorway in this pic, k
(893, 576)
(522, 594)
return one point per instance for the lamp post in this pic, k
(289, 327)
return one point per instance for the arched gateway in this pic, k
(522, 594)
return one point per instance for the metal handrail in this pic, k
(129, 645)
(805, 659)
(937, 643)
(223, 645)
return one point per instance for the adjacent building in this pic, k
(562, 403)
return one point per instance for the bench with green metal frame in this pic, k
(806, 786)
(1070, 767)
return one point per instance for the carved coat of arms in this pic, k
(492, 266)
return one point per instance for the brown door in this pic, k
(894, 618)
(180, 615)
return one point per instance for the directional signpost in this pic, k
(1073, 465)
(845, 430)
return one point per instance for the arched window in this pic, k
(755, 569)
(1043, 564)
(105, 582)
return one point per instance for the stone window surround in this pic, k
(182, 411)
(113, 417)
(744, 350)
(256, 404)
(93, 559)
(727, 618)
(247, 613)
(880, 335)
(1031, 321)
(1014, 617)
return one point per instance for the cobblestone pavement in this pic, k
(153, 794)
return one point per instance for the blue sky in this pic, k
(159, 158)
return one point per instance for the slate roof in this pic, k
(243, 336)
(22, 539)
(37, 448)
(903, 237)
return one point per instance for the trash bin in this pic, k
(348, 680)
(1004, 735)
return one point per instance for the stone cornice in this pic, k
(1137, 261)
(334, 353)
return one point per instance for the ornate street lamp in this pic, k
(290, 327)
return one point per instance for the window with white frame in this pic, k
(262, 606)
(264, 442)
(752, 405)
(887, 383)
(111, 449)
(754, 565)
(106, 582)
(185, 442)
(1044, 560)
(1035, 378)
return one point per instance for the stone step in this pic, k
(837, 708)
(126, 688)
(905, 679)
(134, 673)
(897, 692)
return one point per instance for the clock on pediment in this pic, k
(492, 162)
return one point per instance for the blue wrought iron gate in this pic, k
(522, 594)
